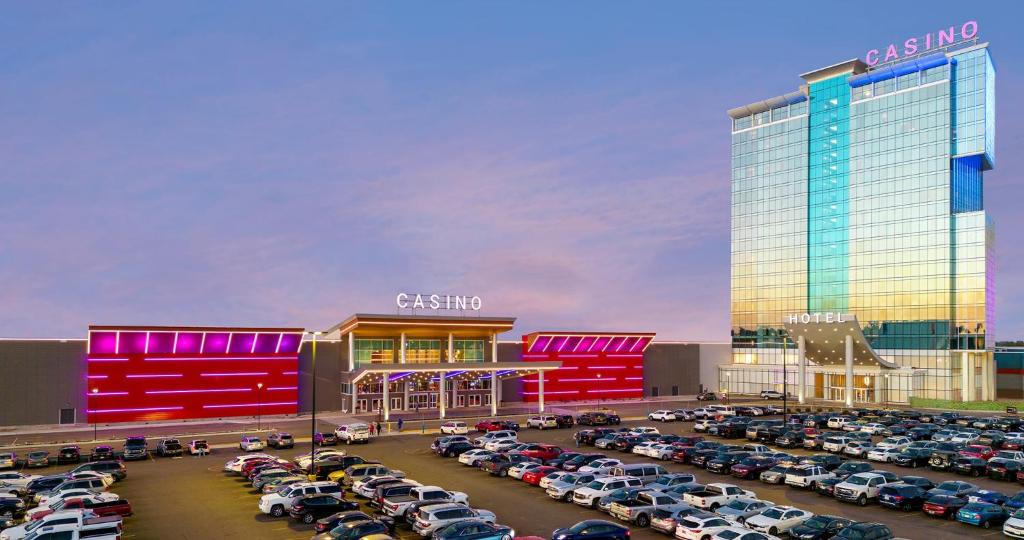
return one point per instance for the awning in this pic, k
(394, 372)
(825, 339)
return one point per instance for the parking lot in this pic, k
(193, 498)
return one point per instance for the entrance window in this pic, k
(468, 350)
(654, 391)
(423, 351)
(374, 351)
(67, 416)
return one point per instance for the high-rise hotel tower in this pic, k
(862, 262)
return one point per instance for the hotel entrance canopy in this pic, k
(824, 339)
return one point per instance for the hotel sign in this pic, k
(826, 317)
(438, 302)
(927, 42)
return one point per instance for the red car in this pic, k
(119, 507)
(534, 475)
(979, 451)
(543, 452)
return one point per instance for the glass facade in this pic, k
(867, 198)
(374, 351)
(423, 351)
(468, 350)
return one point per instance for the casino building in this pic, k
(862, 255)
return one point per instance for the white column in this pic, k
(879, 387)
(849, 371)
(494, 347)
(401, 350)
(986, 383)
(495, 381)
(972, 388)
(451, 347)
(405, 395)
(801, 369)
(540, 390)
(965, 392)
(455, 393)
(355, 396)
(352, 351)
(386, 401)
(441, 396)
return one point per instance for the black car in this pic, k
(330, 522)
(354, 530)
(1006, 424)
(313, 507)
(913, 457)
(831, 462)
(1002, 469)
(101, 453)
(168, 447)
(827, 486)
(564, 420)
(852, 467)
(580, 460)
(919, 481)
(69, 454)
(707, 396)
(860, 531)
(902, 497)
(820, 528)
(992, 438)
(44, 483)
(457, 449)
(135, 448)
(12, 507)
(920, 433)
(969, 466)
(593, 529)
(111, 467)
(791, 439)
(724, 462)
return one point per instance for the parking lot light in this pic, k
(94, 435)
(259, 402)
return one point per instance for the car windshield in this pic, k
(773, 513)
(596, 484)
(948, 486)
(817, 523)
(35, 455)
(858, 480)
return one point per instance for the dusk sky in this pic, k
(207, 163)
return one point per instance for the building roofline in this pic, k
(854, 65)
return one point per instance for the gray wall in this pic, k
(668, 365)
(331, 360)
(38, 378)
(713, 355)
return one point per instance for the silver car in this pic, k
(741, 509)
(432, 518)
(563, 488)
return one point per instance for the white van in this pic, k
(542, 421)
(351, 433)
(454, 428)
(646, 472)
(280, 502)
(722, 410)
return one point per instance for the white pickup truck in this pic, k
(860, 488)
(396, 506)
(641, 509)
(65, 520)
(715, 495)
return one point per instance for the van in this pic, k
(646, 472)
(722, 410)
(350, 433)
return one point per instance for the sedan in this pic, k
(982, 514)
(944, 506)
(592, 529)
(37, 459)
(313, 507)
(820, 528)
(778, 519)
(474, 529)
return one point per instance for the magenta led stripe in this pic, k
(557, 392)
(155, 376)
(191, 358)
(145, 409)
(107, 393)
(248, 405)
(96, 376)
(289, 373)
(276, 388)
(198, 391)
(250, 374)
(624, 355)
(535, 356)
(577, 356)
(634, 378)
(607, 367)
(595, 379)
(624, 390)
(108, 359)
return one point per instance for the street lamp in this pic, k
(599, 391)
(259, 403)
(785, 379)
(312, 433)
(94, 436)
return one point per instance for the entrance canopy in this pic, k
(452, 370)
(825, 335)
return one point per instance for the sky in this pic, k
(249, 164)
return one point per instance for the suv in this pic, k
(168, 447)
(350, 433)
(807, 475)
(433, 518)
(493, 436)
(542, 421)
(250, 444)
(279, 503)
(135, 448)
(198, 446)
(115, 469)
(69, 454)
(281, 440)
(860, 487)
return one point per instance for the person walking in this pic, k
(371, 429)
(400, 423)
(379, 432)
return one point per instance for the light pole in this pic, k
(94, 435)
(259, 403)
(312, 429)
(785, 380)
(599, 391)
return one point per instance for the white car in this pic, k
(519, 469)
(502, 445)
(590, 494)
(542, 421)
(835, 444)
(57, 503)
(47, 500)
(350, 433)
(663, 415)
(703, 413)
(837, 422)
(702, 425)
(432, 518)
(660, 451)
(885, 455)
(965, 437)
(857, 448)
(197, 446)
(236, 464)
(1014, 527)
(278, 503)
(807, 475)
(740, 533)
(473, 457)
(454, 428)
(366, 487)
(250, 444)
(700, 526)
(640, 449)
(778, 519)
(644, 430)
(554, 477)
(873, 428)
(492, 436)
(16, 479)
(943, 435)
(898, 443)
(601, 466)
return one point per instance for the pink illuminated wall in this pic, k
(594, 366)
(163, 373)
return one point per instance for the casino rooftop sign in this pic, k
(917, 45)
